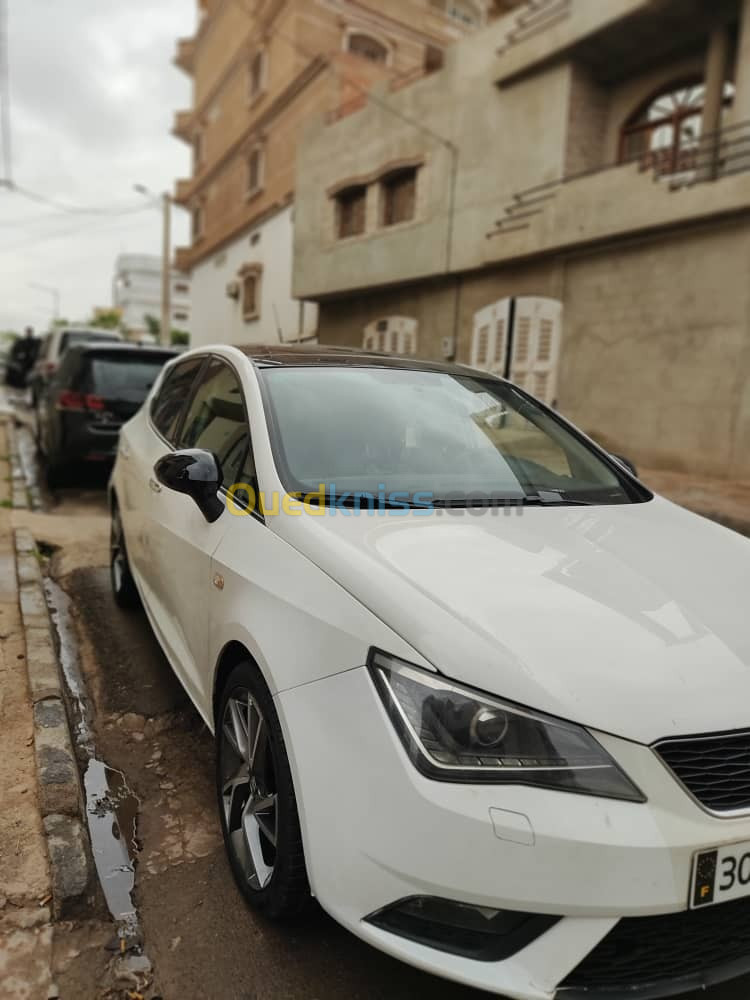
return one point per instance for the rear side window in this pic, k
(216, 422)
(81, 337)
(168, 403)
(125, 376)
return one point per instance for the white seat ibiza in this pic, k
(472, 685)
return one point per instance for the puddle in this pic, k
(111, 806)
(112, 812)
(59, 604)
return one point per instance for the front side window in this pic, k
(168, 404)
(399, 196)
(451, 438)
(216, 422)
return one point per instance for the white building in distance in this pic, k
(136, 290)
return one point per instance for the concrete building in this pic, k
(136, 291)
(568, 202)
(261, 71)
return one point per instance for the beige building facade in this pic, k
(566, 202)
(261, 70)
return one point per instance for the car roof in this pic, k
(321, 356)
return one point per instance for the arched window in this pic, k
(367, 47)
(665, 132)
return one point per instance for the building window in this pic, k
(181, 288)
(464, 11)
(351, 210)
(250, 279)
(665, 132)
(180, 316)
(255, 170)
(367, 48)
(433, 59)
(399, 197)
(198, 222)
(257, 75)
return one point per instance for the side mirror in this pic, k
(195, 473)
(627, 464)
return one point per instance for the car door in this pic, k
(215, 421)
(143, 441)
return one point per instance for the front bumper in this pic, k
(376, 832)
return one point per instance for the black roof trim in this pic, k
(324, 356)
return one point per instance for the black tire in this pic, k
(124, 589)
(276, 884)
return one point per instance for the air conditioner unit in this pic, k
(233, 289)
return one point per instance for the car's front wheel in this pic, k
(123, 584)
(257, 804)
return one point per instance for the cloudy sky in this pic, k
(93, 95)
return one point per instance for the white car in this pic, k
(478, 691)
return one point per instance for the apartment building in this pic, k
(262, 69)
(566, 202)
(136, 291)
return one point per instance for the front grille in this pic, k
(642, 952)
(715, 769)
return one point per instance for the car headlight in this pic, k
(453, 733)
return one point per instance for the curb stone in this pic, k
(19, 493)
(60, 793)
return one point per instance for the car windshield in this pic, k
(126, 377)
(81, 336)
(436, 438)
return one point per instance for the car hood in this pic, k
(629, 619)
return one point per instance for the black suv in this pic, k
(94, 391)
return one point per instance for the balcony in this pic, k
(183, 190)
(182, 259)
(182, 127)
(661, 188)
(185, 55)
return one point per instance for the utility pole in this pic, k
(165, 324)
(166, 270)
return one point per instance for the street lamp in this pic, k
(165, 330)
(54, 292)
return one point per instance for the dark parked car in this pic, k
(97, 387)
(21, 359)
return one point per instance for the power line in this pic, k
(61, 234)
(5, 96)
(69, 209)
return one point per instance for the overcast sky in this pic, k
(93, 95)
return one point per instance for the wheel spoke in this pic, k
(248, 791)
(239, 727)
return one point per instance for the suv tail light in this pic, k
(79, 402)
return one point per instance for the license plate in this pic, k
(720, 874)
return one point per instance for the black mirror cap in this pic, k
(627, 464)
(197, 474)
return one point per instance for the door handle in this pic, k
(154, 486)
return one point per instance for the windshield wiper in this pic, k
(551, 498)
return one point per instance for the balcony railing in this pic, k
(709, 158)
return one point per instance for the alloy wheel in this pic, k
(248, 788)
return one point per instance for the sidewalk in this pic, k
(722, 500)
(25, 914)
